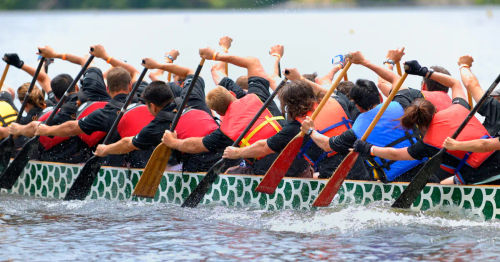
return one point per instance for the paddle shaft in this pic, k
(406, 199)
(186, 98)
(197, 195)
(4, 75)
(398, 67)
(332, 186)
(30, 88)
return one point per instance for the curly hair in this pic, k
(298, 98)
(419, 113)
(36, 98)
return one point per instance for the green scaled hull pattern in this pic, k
(53, 180)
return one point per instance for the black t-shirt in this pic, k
(491, 111)
(92, 86)
(102, 119)
(406, 96)
(32, 115)
(197, 97)
(230, 85)
(151, 135)
(67, 112)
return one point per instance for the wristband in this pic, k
(464, 65)
(389, 61)
(429, 74)
(371, 151)
(109, 59)
(63, 57)
(215, 55)
(276, 55)
(171, 58)
(309, 132)
(226, 50)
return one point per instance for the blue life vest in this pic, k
(387, 133)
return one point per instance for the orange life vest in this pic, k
(331, 121)
(239, 114)
(134, 120)
(85, 110)
(195, 123)
(439, 99)
(445, 123)
(50, 142)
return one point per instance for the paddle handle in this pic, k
(476, 108)
(30, 88)
(398, 67)
(469, 98)
(384, 107)
(330, 91)
(188, 93)
(4, 75)
(264, 107)
(169, 78)
(124, 107)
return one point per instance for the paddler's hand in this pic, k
(101, 150)
(172, 55)
(47, 52)
(450, 144)
(277, 50)
(41, 129)
(465, 60)
(14, 129)
(358, 58)
(150, 63)
(306, 125)
(169, 138)
(207, 53)
(231, 152)
(292, 74)
(225, 42)
(99, 51)
(396, 54)
(412, 67)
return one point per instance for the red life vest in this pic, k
(46, 141)
(441, 100)
(195, 123)
(85, 110)
(331, 121)
(445, 123)
(239, 114)
(134, 120)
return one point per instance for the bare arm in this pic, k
(156, 74)
(257, 149)
(328, 78)
(68, 128)
(4, 132)
(122, 146)
(218, 72)
(172, 68)
(27, 130)
(320, 140)
(48, 52)
(100, 52)
(358, 58)
(446, 80)
(468, 78)
(43, 79)
(392, 153)
(192, 145)
(395, 55)
(476, 145)
(294, 75)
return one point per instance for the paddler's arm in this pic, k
(468, 78)
(27, 130)
(358, 58)
(366, 149)
(4, 132)
(395, 56)
(476, 145)
(48, 52)
(277, 52)
(68, 128)
(327, 79)
(192, 145)
(122, 146)
(172, 68)
(320, 140)
(99, 51)
(257, 149)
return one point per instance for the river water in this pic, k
(54, 230)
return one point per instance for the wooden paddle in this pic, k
(4, 75)
(83, 182)
(332, 186)
(469, 97)
(7, 145)
(153, 172)
(283, 162)
(14, 170)
(197, 195)
(406, 199)
(398, 67)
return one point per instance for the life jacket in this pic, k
(331, 121)
(134, 120)
(195, 123)
(444, 124)
(49, 142)
(7, 114)
(386, 133)
(239, 114)
(441, 100)
(84, 110)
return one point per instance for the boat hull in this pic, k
(53, 180)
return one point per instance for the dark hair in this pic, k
(365, 94)
(298, 97)
(118, 79)
(345, 87)
(158, 93)
(60, 83)
(310, 77)
(419, 113)
(434, 85)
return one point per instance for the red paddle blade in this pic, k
(332, 186)
(280, 166)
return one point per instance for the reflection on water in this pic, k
(111, 230)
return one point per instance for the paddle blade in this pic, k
(6, 149)
(406, 199)
(81, 187)
(280, 166)
(14, 170)
(153, 172)
(332, 186)
(197, 195)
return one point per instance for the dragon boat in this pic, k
(53, 180)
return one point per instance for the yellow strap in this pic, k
(269, 120)
(375, 173)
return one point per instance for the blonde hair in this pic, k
(35, 98)
(218, 99)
